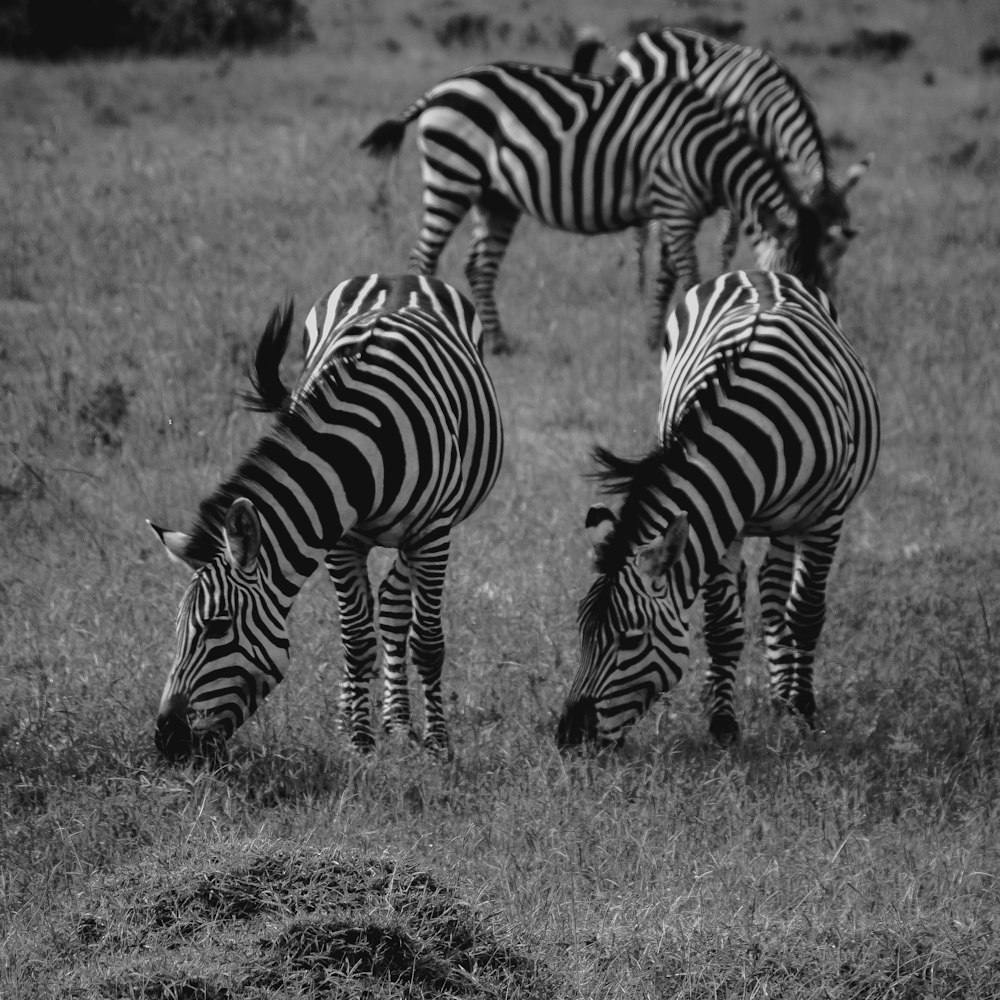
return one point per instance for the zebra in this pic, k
(590, 155)
(768, 426)
(391, 436)
(765, 97)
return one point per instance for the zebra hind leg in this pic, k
(666, 282)
(395, 614)
(427, 569)
(793, 581)
(347, 565)
(493, 222)
(724, 637)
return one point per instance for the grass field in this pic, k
(154, 213)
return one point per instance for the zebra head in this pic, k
(799, 248)
(633, 631)
(232, 643)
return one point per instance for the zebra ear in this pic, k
(600, 523)
(175, 542)
(655, 559)
(855, 172)
(242, 535)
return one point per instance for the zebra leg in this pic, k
(724, 636)
(493, 222)
(427, 573)
(806, 614)
(395, 613)
(793, 580)
(666, 281)
(347, 565)
(728, 239)
(444, 209)
(678, 266)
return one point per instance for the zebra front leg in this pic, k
(347, 565)
(724, 637)
(427, 573)
(395, 614)
(493, 222)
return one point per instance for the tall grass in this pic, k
(156, 212)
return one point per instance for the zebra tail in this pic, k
(385, 139)
(267, 393)
(589, 42)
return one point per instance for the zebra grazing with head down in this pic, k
(391, 436)
(769, 426)
(765, 97)
(590, 155)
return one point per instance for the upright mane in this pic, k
(267, 393)
(206, 536)
(631, 478)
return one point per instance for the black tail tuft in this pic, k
(267, 393)
(589, 42)
(385, 139)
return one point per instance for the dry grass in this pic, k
(155, 213)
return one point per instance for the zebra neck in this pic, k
(307, 487)
(685, 488)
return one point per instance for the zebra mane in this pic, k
(206, 537)
(631, 478)
(267, 393)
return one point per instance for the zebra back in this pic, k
(753, 86)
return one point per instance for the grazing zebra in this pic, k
(765, 97)
(769, 426)
(391, 436)
(589, 155)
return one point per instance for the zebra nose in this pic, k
(577, 724)
(173, 730)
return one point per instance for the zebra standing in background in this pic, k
(391, 436)
(589, 155)
(769, 426)
(760, 93)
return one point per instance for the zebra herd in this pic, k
(768, 422)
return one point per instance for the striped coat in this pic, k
(769, 426)
(391, 436)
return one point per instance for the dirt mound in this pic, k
(279, 923)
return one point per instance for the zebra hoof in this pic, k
(363, 743)
(801, 705)
(725, 730)
(439, 745)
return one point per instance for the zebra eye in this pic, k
(216, 628)
(629, 642)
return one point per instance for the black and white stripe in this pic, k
(391, 436)
(769, 426)
(767, 99)
(590, 155)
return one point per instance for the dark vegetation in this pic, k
(276, 922)
(57, 29)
